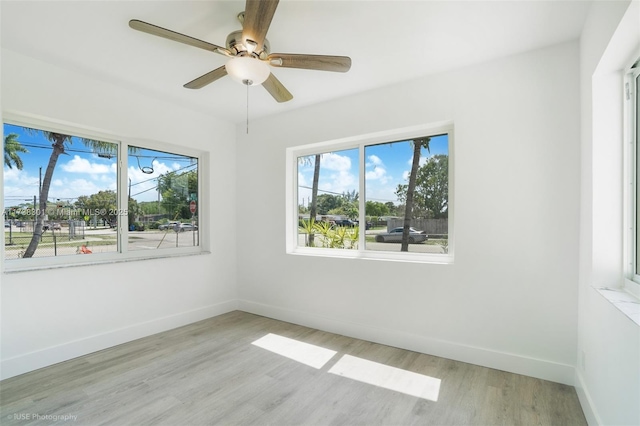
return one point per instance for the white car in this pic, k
(170, 225)
(188, 227)
(395, 236)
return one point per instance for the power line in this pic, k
(166, 174)
(167, 157)
(340, 193)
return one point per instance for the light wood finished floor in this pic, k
(210, 373)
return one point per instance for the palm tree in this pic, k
(313, 208)
(58, 143)
(12, 148)
(314, 196)
(418, 144)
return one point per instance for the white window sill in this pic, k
(444, 259)
(625, 302)
(118, 258)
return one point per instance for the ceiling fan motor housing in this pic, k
(235, 44)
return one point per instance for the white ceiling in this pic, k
(388, 41)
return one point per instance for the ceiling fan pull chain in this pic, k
(247, 108)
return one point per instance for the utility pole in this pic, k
(35, 217)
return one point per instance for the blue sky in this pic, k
(81, 171)
(386, 166)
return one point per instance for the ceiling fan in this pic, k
(249, 52)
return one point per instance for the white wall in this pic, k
(510, 299)
(608, 374)
(52, 315)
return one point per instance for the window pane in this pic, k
(388, 168)
(163, 200)
(636, 130)
(328, 200)
(60, 194)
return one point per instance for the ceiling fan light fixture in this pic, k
(247, 70)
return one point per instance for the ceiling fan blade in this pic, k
(155, 30)
(209, 77)
(276, 89)
(310, 62)
(257, 18)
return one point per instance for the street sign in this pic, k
(192, 207)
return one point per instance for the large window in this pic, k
(163, 200)
(382, 196)
(72, 196)
(633, 124)
(328, 207)
(632, 98)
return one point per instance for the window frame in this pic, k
(631, 97)
(122, 254)
(360, 142)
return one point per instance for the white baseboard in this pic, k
(586, 402)
(53, 355)
(513, 363)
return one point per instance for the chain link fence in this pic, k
(56, 240)
(74, 237)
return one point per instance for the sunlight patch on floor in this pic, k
(387, 377)
(311, 355)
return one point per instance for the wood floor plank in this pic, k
(210, 373)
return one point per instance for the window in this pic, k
(351, 196)
(632, 98)
(388, 169)
(72, 196)
(163, 198)
(635, 102)
(328, 206)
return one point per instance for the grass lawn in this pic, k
(22, 240)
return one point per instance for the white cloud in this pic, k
(335, 176)
(73, 188)
(143, 184)
(82, 165)
(15, 175)
(379, 172)
(339, 182)
(18, 183)
(374, 160)
(335, 162)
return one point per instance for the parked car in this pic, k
(395, 236)
(55, 226)
(188, 227)
(7, 225)
(169, 225)
(345, 222)
(368, 225)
